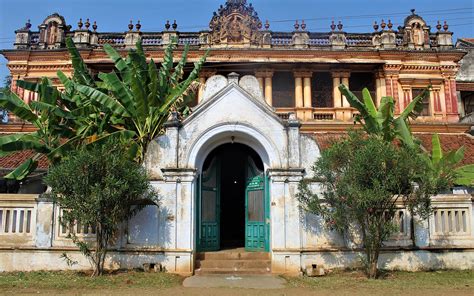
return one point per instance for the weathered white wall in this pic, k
(166, 235)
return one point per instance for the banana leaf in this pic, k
(13, 103)
(23, 170)
(465, 175)
(436, 151)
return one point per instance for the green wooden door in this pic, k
(209, 208)
(256, 227)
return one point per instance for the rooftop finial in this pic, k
(445, 26)
(79, 24)
(376, 26)
(412, 11)
(88, 24)
(167, 25)
(94, 26)
(333, 26)
(138, 26)
(175, 25)
(130, 26)
(339, 26)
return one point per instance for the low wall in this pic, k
(31, 238)
(390, 259)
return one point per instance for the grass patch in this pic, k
(80, 280)
(398, 280)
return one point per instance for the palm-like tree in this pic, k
(383, 122)
(132, 104)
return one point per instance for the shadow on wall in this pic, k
(318, 234)
(144, 240)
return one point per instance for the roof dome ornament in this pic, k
(88, 24)
(333, 26)
(167, 25)
(28, 24)
(130, 26)
(138, 26)
(94, 26)
(376, 26)
(80, 24)
(445, 26)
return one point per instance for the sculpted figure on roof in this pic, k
(235, 23)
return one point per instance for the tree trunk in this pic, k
(372, 269)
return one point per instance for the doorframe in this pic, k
(266, 205)
(199, 208)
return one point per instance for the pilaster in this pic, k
(172, 133)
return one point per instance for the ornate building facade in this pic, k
(267, 105)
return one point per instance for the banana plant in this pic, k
(382, 121)
(139, 96)
(132, 106)
(54, 131)
(445, 164)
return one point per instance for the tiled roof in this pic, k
(15, 159)
(448, 142)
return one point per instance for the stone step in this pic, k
(233, 256)
(208, 263)
(234, 271)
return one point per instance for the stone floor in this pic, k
(235, 281)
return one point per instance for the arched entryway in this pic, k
(232, 204)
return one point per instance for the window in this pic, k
(426, 102)
(322, 90)
(467, 98)
(360, 80)
(283, 89)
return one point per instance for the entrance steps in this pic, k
(233, 262)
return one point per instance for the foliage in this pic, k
(139, 96)
(362, 179)
(382, 121)
(70, 282)
(100, 187)
(131, 105)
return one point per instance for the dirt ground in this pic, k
(290, 291)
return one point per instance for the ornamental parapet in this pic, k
(237, 25)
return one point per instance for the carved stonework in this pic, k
(236, 23)
(416, 32)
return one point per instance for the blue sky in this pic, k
(193, 15)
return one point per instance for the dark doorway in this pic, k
(233, 159)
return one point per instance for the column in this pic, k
(345, 80)
(298, 91)
(380, 87)
(336, 93)
(269, 90)
(303, 94)
(265, 80)
(307, 92)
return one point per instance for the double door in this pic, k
(256, 208)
